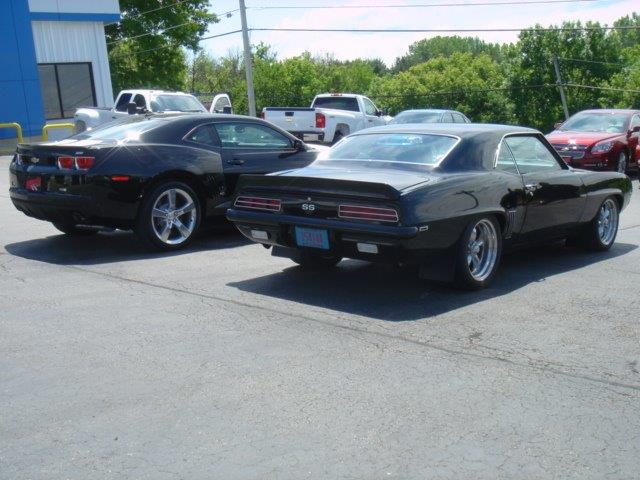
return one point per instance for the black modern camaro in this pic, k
(444, 197)
(160, 175)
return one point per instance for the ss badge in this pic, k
(308, 207)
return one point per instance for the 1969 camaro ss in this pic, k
(444, 197)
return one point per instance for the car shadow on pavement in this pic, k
(396, 294)
(117, 246)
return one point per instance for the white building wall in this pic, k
(59, 42)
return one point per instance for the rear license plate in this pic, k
(311, 237)
(33, 184)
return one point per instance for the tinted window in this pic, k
(458, 118)
(505, 161)
(339, 103)
(531, 154)
(393, 147)
(176, 103)
(204, 134)
(139, 101)
(596, 122)
(220, 104)
(250, 135)
(128, 130)
(65, 87)
(447, 118)
(369, 107)
(416, 117)
(121, 106)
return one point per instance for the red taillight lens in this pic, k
(257, 203)
(84, 163)
(65, 162)
(375, 214)
(321, 120)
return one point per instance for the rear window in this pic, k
(423, 149)
(339, 103)
(416, 117)
(176, 103)
(129, 130)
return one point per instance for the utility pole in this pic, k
(563, 98)
(248, 60)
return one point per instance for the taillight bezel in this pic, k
(368, 213)
(258, 203)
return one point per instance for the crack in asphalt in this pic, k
(420, 343)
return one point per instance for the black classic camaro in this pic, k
(444, 197)
(160, 175)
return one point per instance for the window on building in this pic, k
(65, 87)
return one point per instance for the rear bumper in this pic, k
(53, 207)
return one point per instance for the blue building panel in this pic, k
(19, 83)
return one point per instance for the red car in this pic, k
(599, 140)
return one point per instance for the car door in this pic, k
(371, 114)
(555, 196)
(633, 140)
(252, 147)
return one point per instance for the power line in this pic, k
(199, 40)
(417, 5)
(591, 87)
(463, 92)
(443, 30)
(591, 61)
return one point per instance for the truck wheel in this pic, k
(478, 254)
(169, 216)
(337, 137)
(315, 261)
(75, 230)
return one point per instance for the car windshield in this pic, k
(176, 103)
(129, 130)
(424, 149)
(417, 117)
(596, 122)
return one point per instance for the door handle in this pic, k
(236, 161)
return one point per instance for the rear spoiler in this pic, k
(313, 186)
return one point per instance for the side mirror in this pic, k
(132, 108)
(557, 125)
(298, 144)
(378, 112)
(635, 129)
(227, 110)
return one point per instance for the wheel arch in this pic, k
(185, 176)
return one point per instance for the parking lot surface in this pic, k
(224, 362)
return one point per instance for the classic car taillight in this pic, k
(84, 163)
(258, 203)
(65, 162)
(375, 214)
(321, 120)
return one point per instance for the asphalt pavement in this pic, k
(222, 362)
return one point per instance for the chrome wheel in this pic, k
(174, 216)
(608, 221)
(622, 163)
(482, 250)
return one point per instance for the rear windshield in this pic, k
(424, 149)
(176, 103)
(128, 130)
(417, 117)
(339, 103)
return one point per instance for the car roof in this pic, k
(426, 110)
(628, 111)
(457, 129)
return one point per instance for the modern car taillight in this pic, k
(258, 203)
(65, 162)
(321, 120)
(84, 163)
(376, 214)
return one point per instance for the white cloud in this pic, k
(388, 46)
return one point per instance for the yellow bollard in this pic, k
(16, 126)
(50, 126)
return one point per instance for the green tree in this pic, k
(428, 48)
(627, 81)
(146, 48)
(463, 81)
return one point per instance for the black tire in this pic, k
(592, 237)
(623, 162)
(315, 260)
(149, 226)
(488, 255)
(75, 230)
(337, 137)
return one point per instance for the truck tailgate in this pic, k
(298, 120)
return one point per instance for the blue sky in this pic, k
(388, 46)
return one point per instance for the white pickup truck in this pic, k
(330, 117)
(132, 102)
